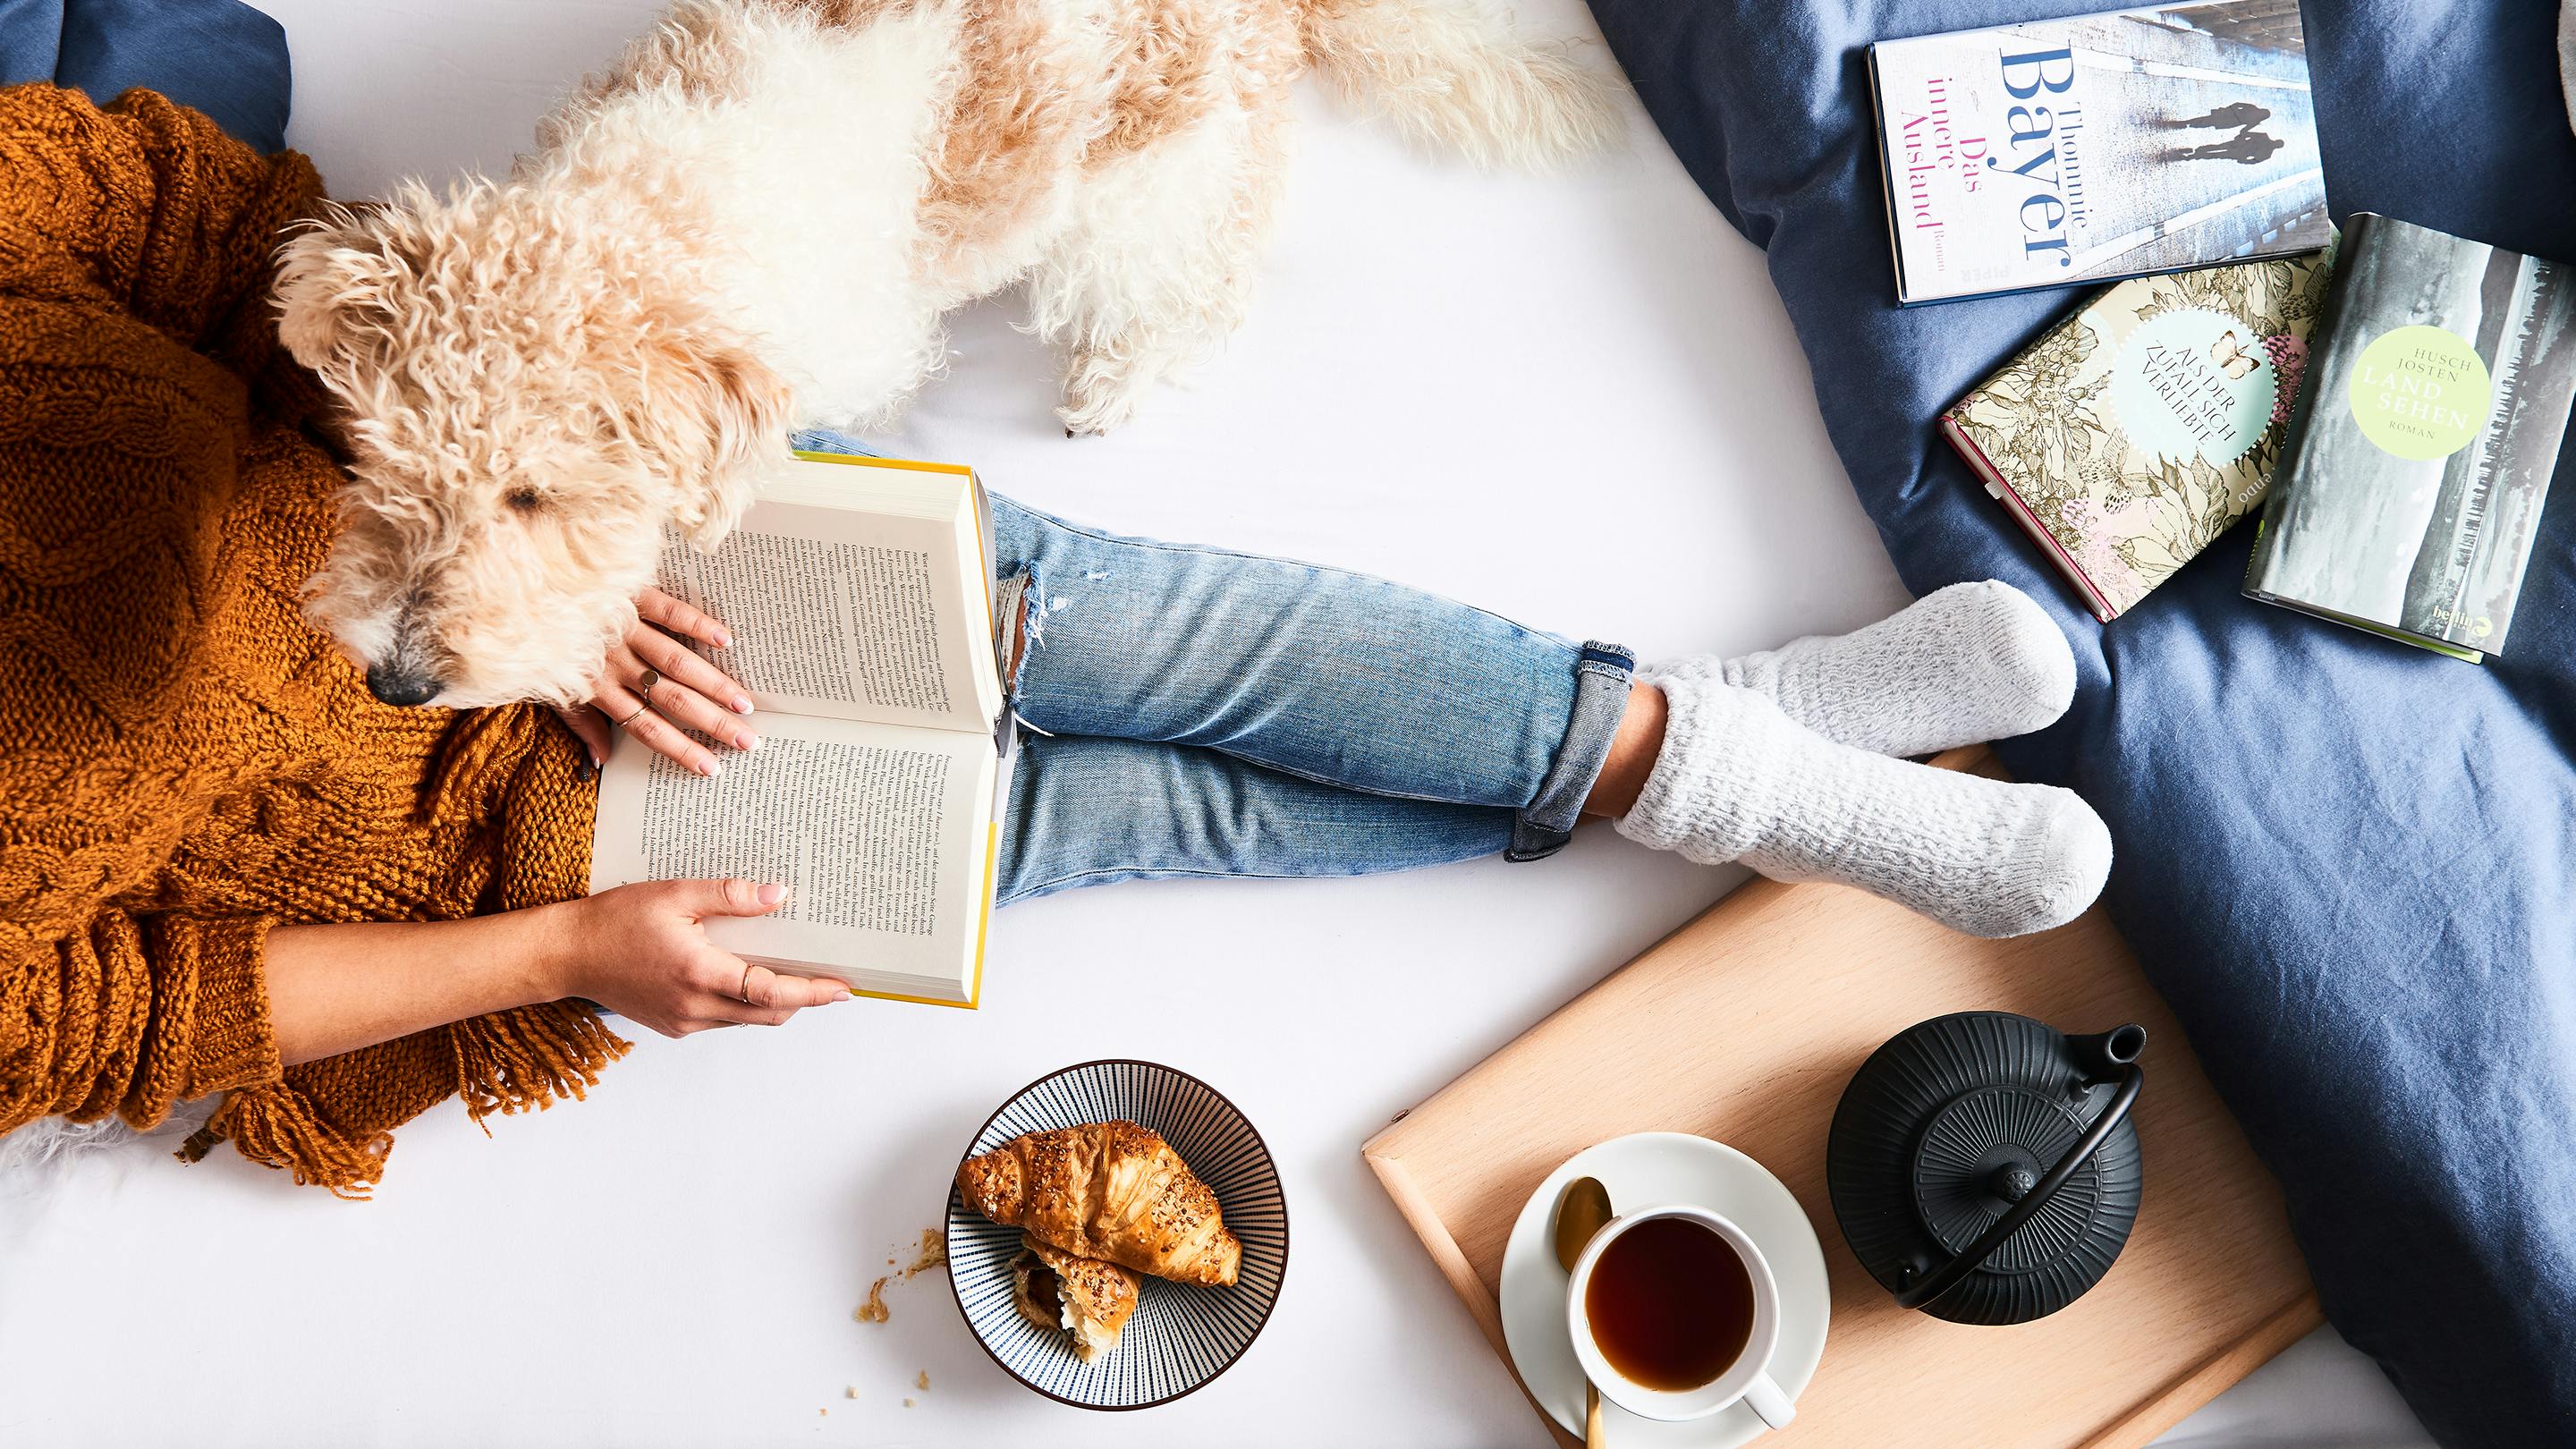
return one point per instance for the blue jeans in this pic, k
(1198, 712)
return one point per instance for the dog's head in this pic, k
(527, 401)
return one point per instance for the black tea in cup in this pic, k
(1670, 1304)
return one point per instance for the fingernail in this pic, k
(710, 769)
(724, 639)
(839, 993)
(748, 740)
(771, 895)
(741, 705)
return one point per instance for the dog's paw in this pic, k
(1092, 406)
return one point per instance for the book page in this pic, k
(851, 614)
(881, 833)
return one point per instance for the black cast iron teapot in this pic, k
(1983, 1166)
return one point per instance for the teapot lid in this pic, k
(1958, 1120)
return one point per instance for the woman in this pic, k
(229, 871)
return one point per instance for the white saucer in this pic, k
(1643, 1170)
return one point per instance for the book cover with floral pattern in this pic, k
(2138, 430)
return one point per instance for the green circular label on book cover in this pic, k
(2420, 392)
(2193, 383)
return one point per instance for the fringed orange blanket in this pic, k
(183, 761)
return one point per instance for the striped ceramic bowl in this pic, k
(1181, 1336)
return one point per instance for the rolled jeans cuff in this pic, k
(1601, 678)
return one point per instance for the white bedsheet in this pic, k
(1574, 400)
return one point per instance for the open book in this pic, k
(859, 595)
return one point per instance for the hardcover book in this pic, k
(2138, 430)
(860, 595)
(2097, 148)
(2416, 464)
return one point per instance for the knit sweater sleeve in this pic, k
(131, 1014)
(131, 310)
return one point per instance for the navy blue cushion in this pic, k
(2349, 865)
(219, 56)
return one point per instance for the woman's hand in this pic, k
(686, 692)
(642, 952)
(639, 950)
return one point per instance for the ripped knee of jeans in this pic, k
(1019, 623)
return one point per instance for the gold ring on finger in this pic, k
(641, 710)
(743, 992)
(644, 688)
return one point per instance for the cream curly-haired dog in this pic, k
(755, 221)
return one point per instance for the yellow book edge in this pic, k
(863, 460)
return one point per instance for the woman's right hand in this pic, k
(642, 951)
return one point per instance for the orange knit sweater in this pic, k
(184, 762)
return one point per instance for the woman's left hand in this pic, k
(654, 688)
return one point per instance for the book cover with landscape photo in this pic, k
(2097, 148)
(2412, 480)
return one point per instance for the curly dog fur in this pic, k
(755, 221)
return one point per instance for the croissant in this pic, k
(1085, 1297)
(1107, 1190)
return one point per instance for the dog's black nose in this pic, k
(392, 684)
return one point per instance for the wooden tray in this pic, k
(1744, 1026)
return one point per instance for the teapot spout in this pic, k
(2106, 1056)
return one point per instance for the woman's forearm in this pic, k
(334, 989)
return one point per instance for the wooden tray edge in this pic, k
(1445, 1253)
(1452, 1263)
(2211, 1377)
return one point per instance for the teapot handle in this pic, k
(2131, 1077)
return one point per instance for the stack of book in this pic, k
(2392, 403)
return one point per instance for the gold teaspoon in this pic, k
(1582, 1211)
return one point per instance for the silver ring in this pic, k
(644, 691)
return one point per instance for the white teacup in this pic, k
(1748, 1378)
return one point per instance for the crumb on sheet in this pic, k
(923, 1382)
(932, 1253)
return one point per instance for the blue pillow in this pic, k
(2350, 866)
(219, 56)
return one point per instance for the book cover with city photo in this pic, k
(2416, 466)
(2097, 148)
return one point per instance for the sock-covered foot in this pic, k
(1739, 780)
(1969, 663)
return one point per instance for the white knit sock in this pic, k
(1739, 780)
(1970, 663)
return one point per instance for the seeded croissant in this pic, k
(1107, 1190)
(1086, 1298)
